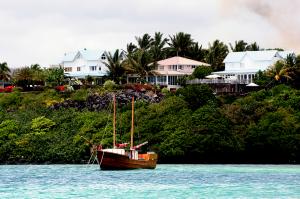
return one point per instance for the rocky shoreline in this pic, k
(97, 102)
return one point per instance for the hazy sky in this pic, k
(41, 31)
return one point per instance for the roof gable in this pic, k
(264, 55)
(234, 57)
(91, 54)
(180, 61)
(86, 54)
(284, 54)
(70, 56)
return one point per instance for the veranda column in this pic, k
(167, 80)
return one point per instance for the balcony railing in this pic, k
(218, 81)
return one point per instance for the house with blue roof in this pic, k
(243, 66)
(83, 63)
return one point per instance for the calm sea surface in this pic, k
(166, 181)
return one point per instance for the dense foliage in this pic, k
(191, 125)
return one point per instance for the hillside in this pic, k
(190, 126)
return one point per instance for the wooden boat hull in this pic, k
(114, 161)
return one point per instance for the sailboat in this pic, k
(117, 158)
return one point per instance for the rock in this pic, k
(96, 102)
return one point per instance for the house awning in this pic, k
(157, 72)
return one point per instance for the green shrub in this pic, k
(196, 95)
(109, 85)
(165, 90)
(41, 125)
(10, 100)
(201, 71)
(80, 95)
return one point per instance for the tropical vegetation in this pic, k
(189, 126)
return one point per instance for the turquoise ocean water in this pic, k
(166, 181)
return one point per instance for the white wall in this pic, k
(85, 67)
(247, 64)
(229, 66)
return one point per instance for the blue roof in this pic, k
(234, 57)
(263, 55)
(91, 54)
(284, 54)
(86, 54)
(69, 56)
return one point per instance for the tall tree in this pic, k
(239, 46)
(115, 65)
(253, 47)
(4, 72)
(140, 63)
(180, 44)
(279, 71)
(292, 62)
(38, 74)
(23, 77)
(196, 52)
(157, 49)
(217, 51)
(131, 48)
(55, 76)
(144, 42)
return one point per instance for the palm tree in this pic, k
(4, 72)
(217, 51)
(115, 65)
(180, 44)
(38, 74)
(279, 71)
(157, 49)
(23, 76)
(144, 42)
(253, 47)
(139, 63)
(54, 76)
(131, 48)
(196, 52)
(239, 46)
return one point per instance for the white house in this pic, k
(169, 70)
(242, 66)
(84, 63)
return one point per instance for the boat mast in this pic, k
(114, 123)
(132, 123)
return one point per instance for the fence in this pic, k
(218, 81)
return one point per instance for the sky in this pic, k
(41, 31)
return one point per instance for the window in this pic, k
(193, 66)
(93, 68)
(161, 68)
(161, 79)
(151, 79)
(172, 80)
(103, 57)
(99, 68)
(78, 68)
(180, 67)
(173, 67)
(68, 69)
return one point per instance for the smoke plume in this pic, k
(282, 15)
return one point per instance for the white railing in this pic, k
(218, 81)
